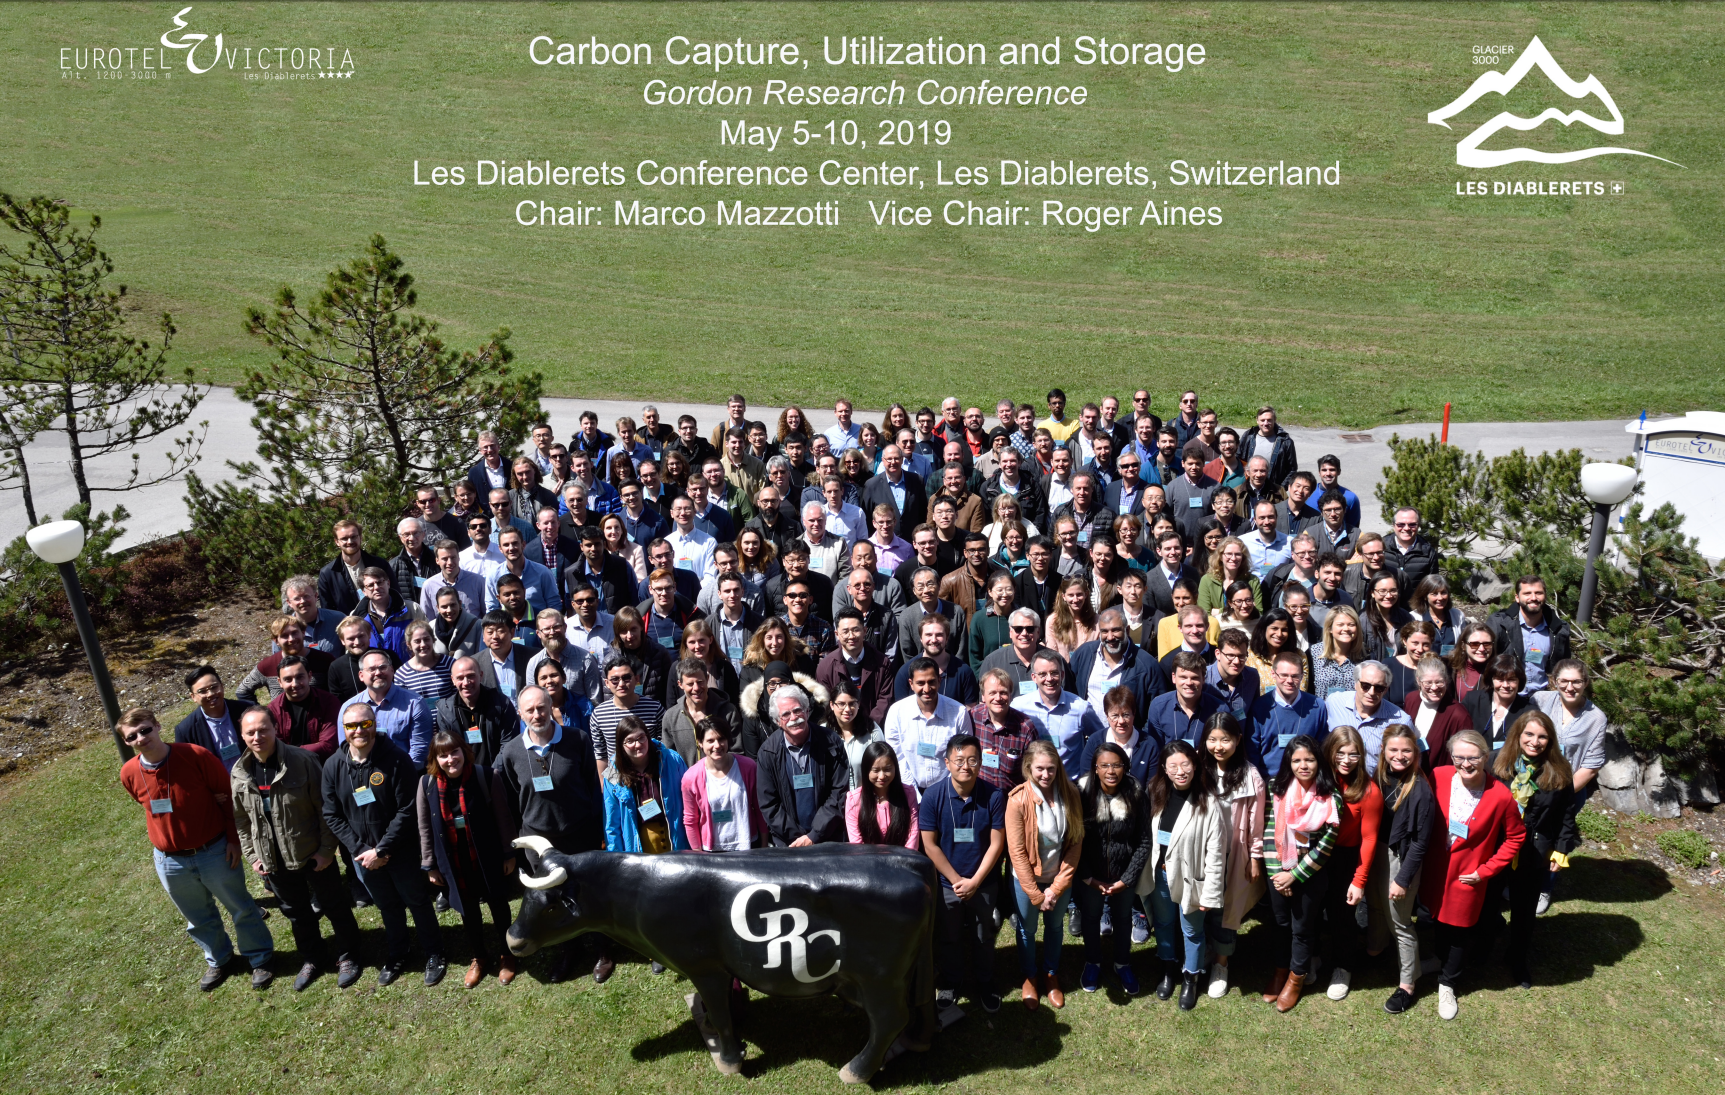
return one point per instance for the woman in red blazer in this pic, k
(1483, 834)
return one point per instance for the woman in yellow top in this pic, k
(1168, 635)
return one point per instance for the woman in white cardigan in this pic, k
(1188, 864)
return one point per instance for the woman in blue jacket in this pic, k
(643, 796)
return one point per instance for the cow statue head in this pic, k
(549, 911)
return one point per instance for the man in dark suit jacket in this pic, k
(214, 710)
(337, 588)
(854, 660)
(882, 489)
(492, 471)
(1159, 583)
(496, 650)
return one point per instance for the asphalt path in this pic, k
(160, 510)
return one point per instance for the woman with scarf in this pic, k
(1240, 789)
(1481, 835)
(1299, 835)
(465, 835)
(1540, 781)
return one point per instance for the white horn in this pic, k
(537, 844)
(556, 878)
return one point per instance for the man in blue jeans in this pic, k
(189, 814)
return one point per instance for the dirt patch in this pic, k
(1638, 836)
(49, 706)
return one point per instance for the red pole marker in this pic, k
(1446, 408)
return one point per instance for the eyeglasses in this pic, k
(1023, 629)
(1465, 762)
(965, 762)
(796, 596)
(1369, 686)
(140, 733)
(366, 725)
(1480, 645)
(1407, 524)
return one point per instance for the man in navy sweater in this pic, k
(1284, 713)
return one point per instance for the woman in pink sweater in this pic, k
(721, 812)
(881, 809)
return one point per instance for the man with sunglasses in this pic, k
(188, 806)
(1411, 555)
(368, 803)
(1367, 709)
(481, 556)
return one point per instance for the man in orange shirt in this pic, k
(187, 798)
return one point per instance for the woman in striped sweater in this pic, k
(1361, 807)
(1299, 835)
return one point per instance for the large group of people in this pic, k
(1114, 677)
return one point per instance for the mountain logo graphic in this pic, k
(1469, 154)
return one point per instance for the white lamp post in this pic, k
(59, 542)
(1606, 485)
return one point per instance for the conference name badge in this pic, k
(964, 836)
(990, 759)
(1458, 829)
(925, 749)
(161, 806)
(1282, 740)
(722, 817)
(362, 796)
(461, 821)
(474, 737)
(230, 751)
(542, 783)
(1164, 837)
(1194, 503)
(803, 781)
(650, 810)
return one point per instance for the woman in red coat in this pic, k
(1483, 834)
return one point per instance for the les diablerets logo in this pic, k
(256, 62)
(1467, 150)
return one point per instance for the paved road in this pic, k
(160, 511)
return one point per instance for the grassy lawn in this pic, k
(1374, 301)
(97, 994)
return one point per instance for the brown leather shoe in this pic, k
(1051, 990)
(1031, 997)
(603, 969)
(506, 969)
(475, 974)
(1290, 992)
(1277, 980)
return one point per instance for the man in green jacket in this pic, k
(278, 808)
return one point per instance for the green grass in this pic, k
(97, 994)
(1686, 846)
(1376, 301)
(1595, 826)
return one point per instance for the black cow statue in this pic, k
(847, 918)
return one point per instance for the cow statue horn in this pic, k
(537, 844)
(556, 878)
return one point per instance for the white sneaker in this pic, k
(1544, 905)
(1218, 981)
(1446, 1007)
(1339, 984)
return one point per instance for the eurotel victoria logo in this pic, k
(1468, 152)
(179, 43)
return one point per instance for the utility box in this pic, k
(1682, 461)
